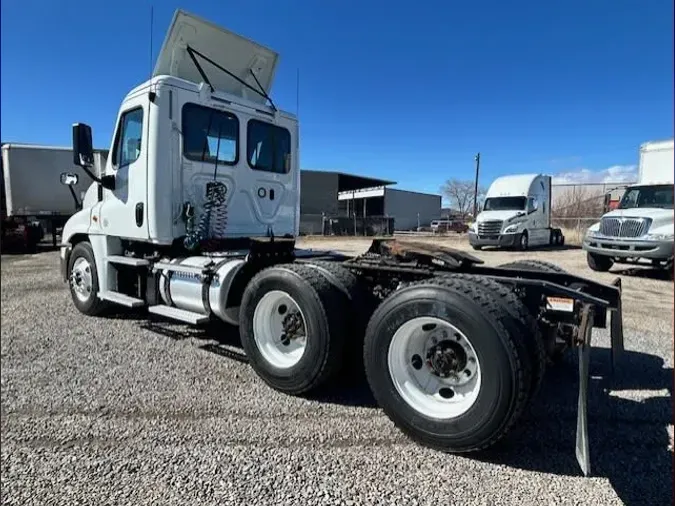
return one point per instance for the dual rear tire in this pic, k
(450, 360)
(300, 324)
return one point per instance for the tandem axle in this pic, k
(407, 304)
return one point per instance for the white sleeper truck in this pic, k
(641, 227)
(195, 219)
(516, 213)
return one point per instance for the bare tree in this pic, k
(460, 195)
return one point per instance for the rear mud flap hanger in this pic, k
(584, 346)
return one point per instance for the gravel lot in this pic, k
(119, 411)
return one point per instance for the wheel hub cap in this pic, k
(446, 358)
(279, 329)
(434, 367)
(80, 279)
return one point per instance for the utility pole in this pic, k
(475, 190)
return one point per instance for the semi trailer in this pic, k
(640, 229)
(516, 214)
(32, 199)
(195, 219)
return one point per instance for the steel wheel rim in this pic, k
(275, 345)
(81, 280)
(421, 387)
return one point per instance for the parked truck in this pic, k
(32, 199)
(516, 213)
(640, 229)
(195, 218)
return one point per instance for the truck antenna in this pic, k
(152, 8)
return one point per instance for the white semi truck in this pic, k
(32, 199)
(195, 219)
(516, 213)
(641, 227)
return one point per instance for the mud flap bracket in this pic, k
(584, 345)
(616, 329)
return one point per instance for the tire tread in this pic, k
(498, 317)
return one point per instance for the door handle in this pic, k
(139, 214)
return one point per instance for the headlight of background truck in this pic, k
(512, 228)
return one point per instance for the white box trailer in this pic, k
(31, 194)
(640, 229)
(516, 213)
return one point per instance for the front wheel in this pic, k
(444, 367)
(83, 280)
(523, 243)
(599, 263)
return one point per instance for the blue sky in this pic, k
(408, 91)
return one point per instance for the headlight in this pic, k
(472, 227)
(659, 237)
(592, 233)
(512, 228)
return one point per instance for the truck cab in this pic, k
(516, 213)
(640, 229)
(198, 151)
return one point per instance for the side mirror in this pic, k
(108, 182)
(69, 179)
(83, 150)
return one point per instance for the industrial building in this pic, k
(367, 205)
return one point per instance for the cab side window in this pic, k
(210, 135)
(532, 204)
(268, 147)
(128, 142)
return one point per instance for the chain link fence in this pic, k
(320, 224)
(575, 207)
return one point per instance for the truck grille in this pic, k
(493, 227)
(624, 227)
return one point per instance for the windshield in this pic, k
(659, 196)
(505, 204)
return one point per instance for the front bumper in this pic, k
(625, 248)
(64, 258)
(502, 240)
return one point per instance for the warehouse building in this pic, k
(369, 203)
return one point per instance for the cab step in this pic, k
(124, 260)
(121, 299)
(179, 314)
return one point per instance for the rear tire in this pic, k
(361, 306)
(522, 325)
(599, 263)
(83, 280)
(534, 265)
(556, 352)
(479, 417)
(476, 247)
(301, 357)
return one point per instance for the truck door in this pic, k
(124, 209)
(272, 192)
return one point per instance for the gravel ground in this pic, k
(119, 411)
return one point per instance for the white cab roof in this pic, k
(512, 186)
(235, 53)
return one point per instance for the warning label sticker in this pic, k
(560, 304)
